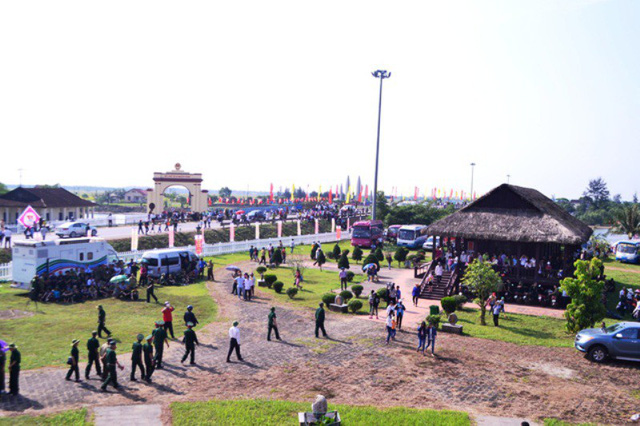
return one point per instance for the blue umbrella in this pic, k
(369, 265)
(232, 268)
(4, 347)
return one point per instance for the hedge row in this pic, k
(211, 236)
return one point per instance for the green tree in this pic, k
(224, 192)
(3, 188)
(371, 258)
(379, 254)
(382, 206)
(336, 251)
(357, 254)
(344, 260)
(585, 290)
(277, 256)
(627, 220)
(400, 255)
(482, 280)
(597, 192)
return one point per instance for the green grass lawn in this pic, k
(518, 329)
(556, 422)
(316, 283)
(66, 418)
(627, 279)
(265, 413)
(44, 339)
(611, 261)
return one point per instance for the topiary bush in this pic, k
(357, 289)
(355, 305)
(277, 286)
(277, 257)
(350, 276)
(382, 293)
(270, 279)
(291, 292)
(336, 251)
(371, 259)
(379, 254)
(261, 270)
(400, 255)
(320, 258)
(344, 260)
(460, 300)
(434, 320)
(448, 304)
(328, 298)
(346, 295)
(357, 254)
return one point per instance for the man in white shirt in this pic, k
(234, 343)
(438, 272)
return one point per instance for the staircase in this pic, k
(436, 291)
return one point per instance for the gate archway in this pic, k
(191, 181)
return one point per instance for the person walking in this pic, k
(159, 339)
(438, 272)
(147, 351)
(111, 362)
(389, 259)
(273, 324)
(210, 271)
(293, 245)
(320, 320)
(240, 288)
(151, 287)
(136, 359)
(496, 308)
(167, 317)
(390, 325)
(189, 316)
(140, 231)
(102, 352)
(343, 279)
(93, 356)
(234, 342)
(73, 361)
(415, 294)
(14, 370)
(102, 318)
(372, 304)
(43, 232)
(190, 341)
(422, 337)
(399, 314)
(7, 238)
(432, 332)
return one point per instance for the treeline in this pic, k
(418, 214)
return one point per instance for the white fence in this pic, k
(217, 249)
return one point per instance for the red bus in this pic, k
(367, 233)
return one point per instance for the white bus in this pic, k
(412, 236)
(168, 261)
(31, 258)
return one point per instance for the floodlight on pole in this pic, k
(381, 74)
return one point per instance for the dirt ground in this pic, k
(355, 367)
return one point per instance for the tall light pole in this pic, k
(381, 74)
(471, 193)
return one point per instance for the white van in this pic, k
(168, 261)
(31, 258)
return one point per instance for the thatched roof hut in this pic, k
(515, 214)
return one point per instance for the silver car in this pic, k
(75, 229)
(619, 341)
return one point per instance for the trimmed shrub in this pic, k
(434, 320)
(379, 254)
(270, 279)
(346, 295)
(357, 289)
(329, 298)
(371, 259)
(291, 292)
(277, 286)
(357, 254)
(355, 305)
(460, 300)
(400, 255)
(330, 255)
(277, 256)
(382, 293)
(344, 260)
(350, 276)
(261, 270)
(320, 258)
(336, 251)
(448, 304)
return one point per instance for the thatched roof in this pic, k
(513, 213)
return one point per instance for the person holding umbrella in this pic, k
(102, 317)
(14, 370)
(73, 361)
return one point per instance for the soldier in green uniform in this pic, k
(110, 362)
(273, 324)
(73, 361)
(102, 317)
(93, 357)
(147, 350)
(320, 320)
(159, 339)
(136, 359)
(14, 370)
(190, 341)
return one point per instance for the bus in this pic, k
(412, 236)
(628, 251)
(367, 233)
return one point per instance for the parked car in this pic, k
(168, 261)
(75, 229)
(256, 216)
(428, 245)
(619, 341)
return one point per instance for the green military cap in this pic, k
(99, 306)
(12, 346)
(74, 341)
(159, 322)
(149, 337)
(112, 343)
(94, 332)
(140, 337)
(273, 309)
(189, 324)
(235, 323)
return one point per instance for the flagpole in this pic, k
(381, 74)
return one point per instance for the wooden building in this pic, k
(52, 204)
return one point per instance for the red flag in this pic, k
(209, 198)
(271, 193)
(415, 193)
(366, 192)
(451, 194)
(330, 195)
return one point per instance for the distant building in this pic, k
(50, 203)
(135, 195)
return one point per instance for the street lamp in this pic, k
(381, 74)
(471, 193)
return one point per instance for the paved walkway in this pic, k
(138, 415)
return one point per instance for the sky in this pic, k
(251, 93)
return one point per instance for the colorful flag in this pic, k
(293, 192)
(348, 198)
(330, 195)
(271, 193)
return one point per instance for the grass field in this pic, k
(45, 337)
(66, 418)
(611, 261)
(556, 422)
(265, 413)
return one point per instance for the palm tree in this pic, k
(627, 220)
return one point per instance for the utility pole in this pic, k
(381, 74)
(471, 193)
